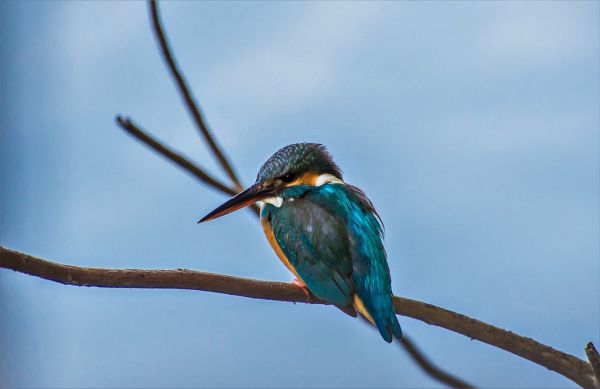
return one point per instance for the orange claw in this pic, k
(302, 286)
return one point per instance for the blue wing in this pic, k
(332, 237)
(371, 273)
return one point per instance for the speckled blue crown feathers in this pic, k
(299, 158)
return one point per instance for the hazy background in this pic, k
(472, 126)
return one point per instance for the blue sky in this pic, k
(473, 127)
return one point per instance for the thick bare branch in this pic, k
(186, 94)
(567, 365)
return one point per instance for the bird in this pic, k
(324, 230)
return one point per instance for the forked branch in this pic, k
(198, 172)
(186, 94)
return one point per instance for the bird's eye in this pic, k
(287, 178)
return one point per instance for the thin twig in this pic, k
(186, 94)
(198, 172)
(567, 365)
(429, 367)
(594, 359)
(134, 130)
(425, 363)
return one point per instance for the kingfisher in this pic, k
(325, 231)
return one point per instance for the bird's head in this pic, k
(294, 165)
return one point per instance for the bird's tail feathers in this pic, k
(388, 326)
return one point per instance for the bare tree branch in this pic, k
(429, 367)
(133, 130)
(594, 359)
(198, 172)
(186, 94)
(567, 365)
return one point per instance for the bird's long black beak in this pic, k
(241, 200)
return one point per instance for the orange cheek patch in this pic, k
(310, 179)
(305, 179)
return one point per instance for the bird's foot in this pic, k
(302, 286)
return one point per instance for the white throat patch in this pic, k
(276, 201)
(327, 179)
